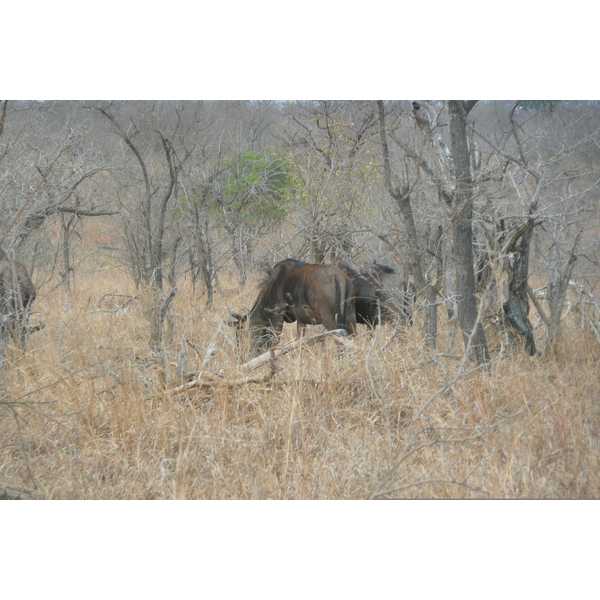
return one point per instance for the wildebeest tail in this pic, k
(340, 305)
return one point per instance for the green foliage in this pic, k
(256, 187)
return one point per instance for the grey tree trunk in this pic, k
(462, 206)
(401, 194)
(516, 308)
(557, 292)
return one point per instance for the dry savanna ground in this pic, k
(89, 413)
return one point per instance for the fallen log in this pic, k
(336, 335)
(204, 379)
(213, 381)
(207, 379)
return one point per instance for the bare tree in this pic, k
(401, 193)
(462, 217)
(542, 168)
(53, 167)
(252, 194)
(448, 166)
(159, 165)
(202, 243)
(328, 141)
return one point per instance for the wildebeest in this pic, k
(297, 291)
(17, 294)
(380, 294)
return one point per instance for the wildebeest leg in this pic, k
(350, 321)
(305, 316)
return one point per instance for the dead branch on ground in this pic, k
(335, 334)
(207, 379)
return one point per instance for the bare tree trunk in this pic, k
(241, 259)
(433, 288)
(402, 197)
(424, 289)
(66, 251)
(154, 222)
(206, 261)
(516, 308)
(463, 233)
(237, 248)
(202, 252)
(557, 292)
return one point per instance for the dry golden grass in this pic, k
(86, 413)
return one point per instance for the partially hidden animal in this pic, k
(295, 291)
(380, 295)
(17, 294)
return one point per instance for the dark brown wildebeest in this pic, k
(17, 294)
(297, 291)
(380, 294)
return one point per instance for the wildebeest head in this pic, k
(17, 294)
(367, 298)
(258, 336)
(380, 295)
(297, 291)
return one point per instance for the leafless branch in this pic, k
(84, 212)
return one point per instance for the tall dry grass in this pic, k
(87, 413)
